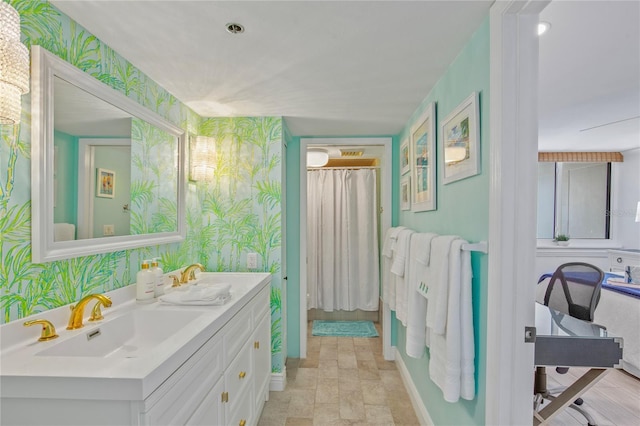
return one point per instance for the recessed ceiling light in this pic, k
(543, 27)
(234, 28)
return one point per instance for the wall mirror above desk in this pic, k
(107, 173)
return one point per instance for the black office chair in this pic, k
(574, 289)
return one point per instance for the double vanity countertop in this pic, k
(64, 367)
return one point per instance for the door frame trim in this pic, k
(512, 210)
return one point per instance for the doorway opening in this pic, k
(380, 148)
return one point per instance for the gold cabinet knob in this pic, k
(242, 374)
(256, 345)
(242, 422)
(48, 330)
(225, 397)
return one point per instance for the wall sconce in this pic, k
(202, 158)
(14, 66)
(317, 157)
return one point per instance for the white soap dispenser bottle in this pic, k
(158, 274)
(145, 283)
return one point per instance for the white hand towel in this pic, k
(206, 292)
(402, 292)
(438, 284)
(217, 294)
(423, 253)
(451, 362)
(390, 238)
(417, 306)
(401, 252)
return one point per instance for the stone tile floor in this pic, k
(343, 381)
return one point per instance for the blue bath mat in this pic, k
(344, 328)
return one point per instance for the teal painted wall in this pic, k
(65, 178)
(108, 211)
(293, 247)
(463, 209)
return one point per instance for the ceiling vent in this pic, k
(351, 153)
(235, 28)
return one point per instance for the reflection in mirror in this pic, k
(573, 199)
(107, 173)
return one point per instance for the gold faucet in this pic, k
(189, 273)
(48, 330)
(77, 311)
(175, 281)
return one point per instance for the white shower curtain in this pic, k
(342, 240)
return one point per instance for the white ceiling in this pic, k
(341, 68)
(590, 76)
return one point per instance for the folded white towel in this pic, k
(423, 248)
(390, 238)
(417, 306)
(452, 354)
(217, 294)
(399, 264)
(438, 283)
(401, 275)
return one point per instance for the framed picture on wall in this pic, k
(105, 183)
(423, 164)
(405, 193)
(461, 141)
(405, 163)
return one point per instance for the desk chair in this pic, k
(574, 289)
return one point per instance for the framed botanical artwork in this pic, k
(405, 163)
(105, 183)
(461, 141)
(405, 193)
(423, 165)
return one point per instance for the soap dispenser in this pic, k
(158, 274)
(145, 283)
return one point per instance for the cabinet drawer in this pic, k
(210, 411)
(238, 380)
(174, 401)
(262, 360)
(236, 333)
(260, 305)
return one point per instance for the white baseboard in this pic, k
(421, 411)
(278, 380)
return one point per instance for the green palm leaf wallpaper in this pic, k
(237, 213)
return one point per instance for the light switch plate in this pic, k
(252, 260)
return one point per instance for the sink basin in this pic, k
(127, 336)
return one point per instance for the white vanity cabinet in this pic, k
(232, 400)
(261, 358)
(215, 372)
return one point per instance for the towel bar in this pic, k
(481, 247)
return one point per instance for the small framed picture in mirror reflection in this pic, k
(105, 183)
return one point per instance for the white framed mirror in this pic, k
(107, 174)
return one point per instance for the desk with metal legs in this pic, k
(562, 340)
